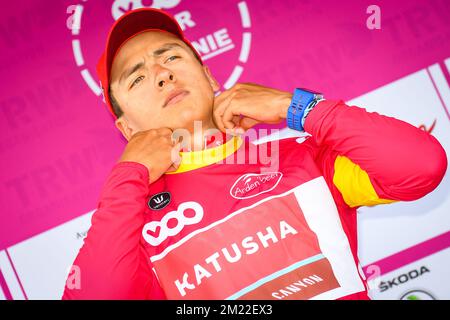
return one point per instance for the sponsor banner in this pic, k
(424, 279)
(416, 100)
(43, 262)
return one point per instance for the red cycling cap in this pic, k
(127, 26)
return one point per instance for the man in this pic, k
(201, 217)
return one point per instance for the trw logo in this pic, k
(253, 184)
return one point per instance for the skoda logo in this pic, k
(417, 295)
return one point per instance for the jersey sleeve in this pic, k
(371, 158)
(112, 262)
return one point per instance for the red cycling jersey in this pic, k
(232, 225)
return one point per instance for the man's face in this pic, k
(147, 71)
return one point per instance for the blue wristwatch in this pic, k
(302, 102)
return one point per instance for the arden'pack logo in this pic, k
(219, 31)
(253, 184)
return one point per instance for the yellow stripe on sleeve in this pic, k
(354, 184)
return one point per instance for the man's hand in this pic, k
(155, 149)
(245, 105)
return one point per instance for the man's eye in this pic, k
(171, 58)
(135, 82)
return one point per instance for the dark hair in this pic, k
(114, 104)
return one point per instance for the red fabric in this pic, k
(403, 163)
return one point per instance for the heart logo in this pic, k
(153, 229)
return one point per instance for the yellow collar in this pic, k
(202, 158)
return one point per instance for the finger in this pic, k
(218, 116)
(236, 120)
(246, 123)
(173, 167)
(218, 112)
(175, 156)
(227, 118)
(236, 130)
(218, 100)
(165, 131)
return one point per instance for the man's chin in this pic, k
(187, 116)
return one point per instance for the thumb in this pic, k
(175, 157)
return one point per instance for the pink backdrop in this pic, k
(58, 142)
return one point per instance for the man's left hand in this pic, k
(246, 104)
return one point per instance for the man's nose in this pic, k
(164, 76)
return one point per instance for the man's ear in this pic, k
(212, 81)
(123, 126)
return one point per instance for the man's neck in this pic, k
(203, 135)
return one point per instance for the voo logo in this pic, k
(155, 232)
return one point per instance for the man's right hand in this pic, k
(155, 149)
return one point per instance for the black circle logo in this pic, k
(159, 201)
